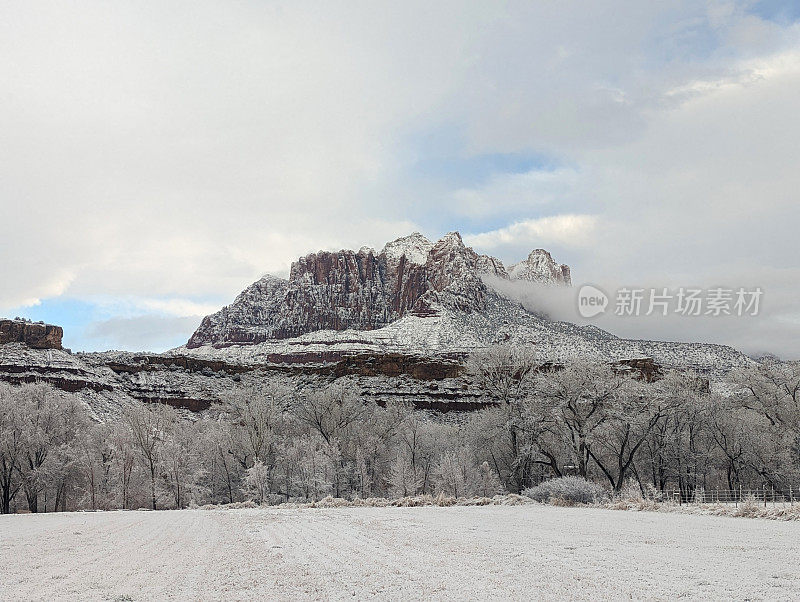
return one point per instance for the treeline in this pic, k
(279, 443)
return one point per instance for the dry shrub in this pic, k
(331, 502)
(749, 507)
(413, 501)
(444, 500)
(511, 499)
(476, 501)
(572, 490)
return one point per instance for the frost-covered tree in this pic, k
(630, 417)
(487, 484)
(577, 400)
(222, 471)
(769, 392)
(310, 468)
(330, 410)
(182, 468)
(150, 425)
(95, 460)
(455, 473)
(51, 420)
(771, 389)
(123, 463)
(256, 414)
(13, 424)
(507, 374)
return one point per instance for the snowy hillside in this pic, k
(455, 334)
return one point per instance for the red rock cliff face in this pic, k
(361, 290)
(348, 289)
(34, 335)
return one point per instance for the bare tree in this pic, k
(13, 422)
(52, 420)
(256, 413)
(576, 400)
(507, 373)
(631, 415)
(149, 426)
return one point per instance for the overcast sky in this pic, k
(158, 157)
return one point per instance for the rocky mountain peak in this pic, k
(540, 267)
(451, 239)
(415, 247)
(363, 291)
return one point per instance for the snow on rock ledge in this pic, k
(414, 247)
(349, 290)
(540, 267)
(35, 335)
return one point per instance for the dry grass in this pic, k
(750, 507)
(442, 500)
(629, 501)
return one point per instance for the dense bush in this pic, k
(575, 490)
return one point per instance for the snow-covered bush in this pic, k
(575, 490)
(749, 506)
(631, 491)
(257, 482)
(486, 483)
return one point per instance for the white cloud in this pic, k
(517, 192)
(177, 307)
(561, 230)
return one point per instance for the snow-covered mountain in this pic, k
(542, 268)
(362, 290)
(416, 298)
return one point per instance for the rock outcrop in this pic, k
(36, 335)
(362, 290)
(540, 267)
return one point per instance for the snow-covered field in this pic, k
(492, 552)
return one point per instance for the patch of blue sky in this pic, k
(79, 317)
(696, 37)
(72, 315)
(442, 154)
(784, 12)
(691, 40)
(476, 170)
(438, 161)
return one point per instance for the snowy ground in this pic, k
(493, 552)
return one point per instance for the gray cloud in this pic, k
(771, 330)
(142, 332)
